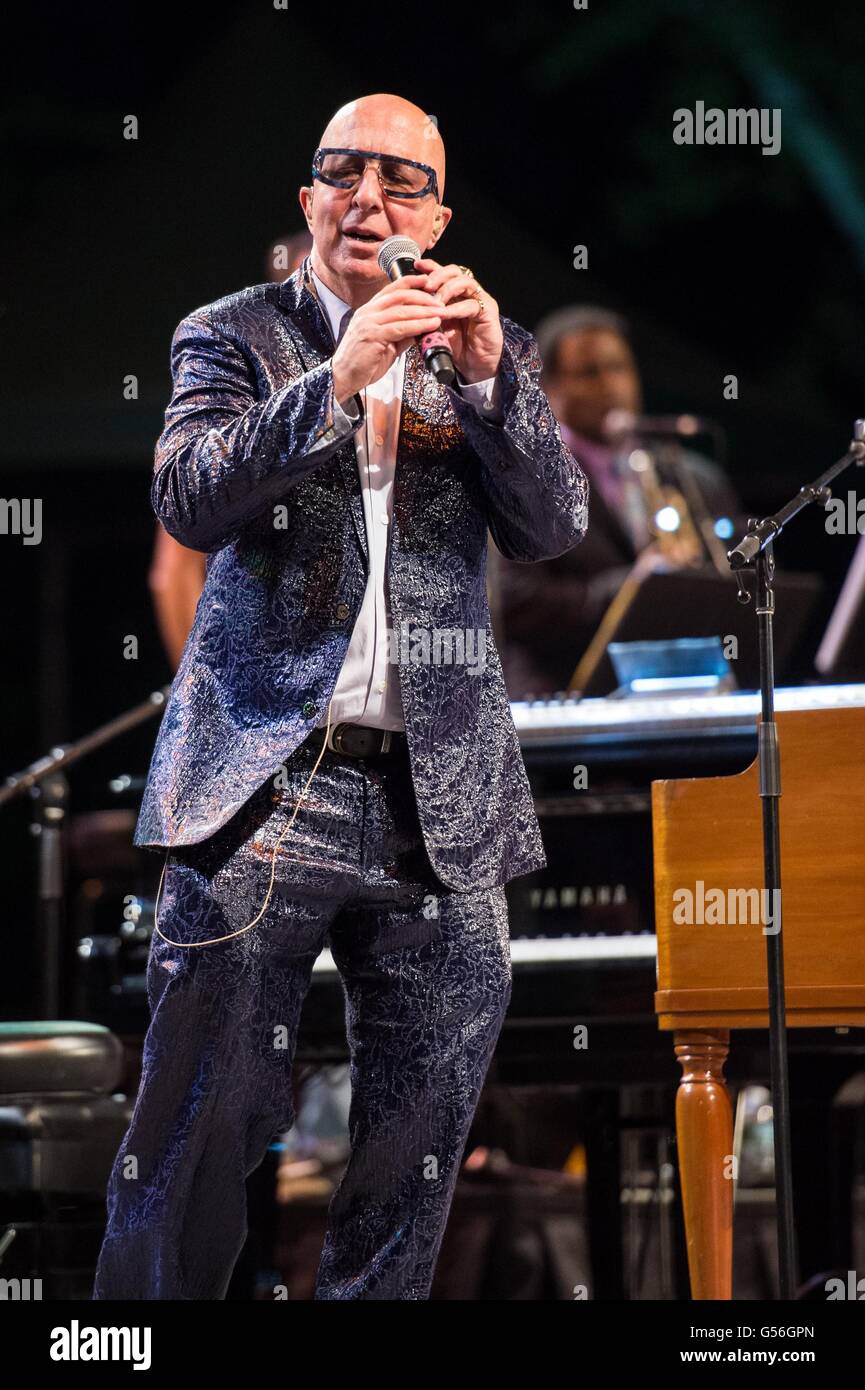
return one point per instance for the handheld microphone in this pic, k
(396, 257)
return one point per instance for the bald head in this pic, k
(388, 126)
(387, 122)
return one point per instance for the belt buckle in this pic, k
(334, 741)
(333, 737)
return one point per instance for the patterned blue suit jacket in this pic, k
(253, 469)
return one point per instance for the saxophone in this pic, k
(668, 516)
(678, 522)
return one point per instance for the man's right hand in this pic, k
(380, 330)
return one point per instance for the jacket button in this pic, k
(308, 709)
(342, 611)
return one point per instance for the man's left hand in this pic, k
(470, 322)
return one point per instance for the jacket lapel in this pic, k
(298, 298)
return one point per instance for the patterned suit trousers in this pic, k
(426, 974)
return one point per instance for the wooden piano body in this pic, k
(712, 973)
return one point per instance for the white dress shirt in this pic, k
(367, 689)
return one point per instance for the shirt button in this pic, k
(342, 611)
(308, 709)
(379, 439)
(383, 520)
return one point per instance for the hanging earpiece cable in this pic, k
(186, 945)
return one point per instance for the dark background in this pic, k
(558, 128)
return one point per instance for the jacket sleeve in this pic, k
(537, 493)
(226, 455)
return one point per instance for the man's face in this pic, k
(350, 267)
(595, 372)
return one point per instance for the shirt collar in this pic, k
(334, 306)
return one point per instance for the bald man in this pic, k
(337, 765)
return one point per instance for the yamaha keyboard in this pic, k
(594, 761)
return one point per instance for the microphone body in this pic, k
(396, 258)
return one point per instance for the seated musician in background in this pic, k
(176, 575)
(549, 611)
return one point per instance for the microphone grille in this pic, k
(394, 248)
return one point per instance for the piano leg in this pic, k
(704, 1131)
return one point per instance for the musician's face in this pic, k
(394, 127)
(594, 372)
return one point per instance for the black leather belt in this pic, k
(359, 741)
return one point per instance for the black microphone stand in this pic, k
(48, 786)
(756, 546)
